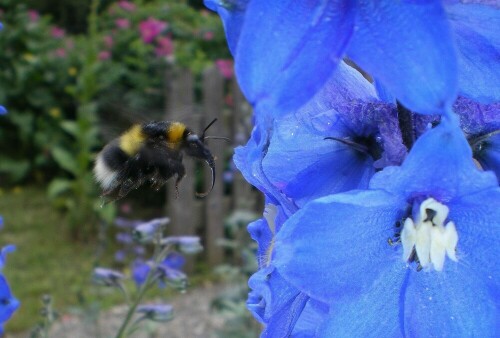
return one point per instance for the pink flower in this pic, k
(225, 67)
(208, 36)
(127, 5)
(122, 23)
(57, 33)
(150, 28)
(108, 41)
(104, 55)
(165, 47)
(33, 15)
(60, 53)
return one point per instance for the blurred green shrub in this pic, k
(36, 70)
(64, 92)
(42, 65)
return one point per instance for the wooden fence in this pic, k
(205, 216)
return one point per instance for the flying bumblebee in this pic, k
(150, 153)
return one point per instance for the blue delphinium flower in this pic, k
(282, 308)
(408, 46)
(289, 159)
(107, 277)
(3, 111)
(8, 303)
(414, 255)
(156, 312)
(168, 270)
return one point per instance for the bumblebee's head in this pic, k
(194, 147)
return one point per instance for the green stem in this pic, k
(142, 290)
(158, 253)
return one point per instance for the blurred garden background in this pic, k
(74, 75)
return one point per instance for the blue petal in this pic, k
(232, 14)
(340, 252)
(288, 49)
(440, 165)
(3, 254)
(478, 43)
(456, 302)
(8, 304)
(407, 45)
(476, 219)
(270, 294)
(305, 166)
(248, 159)
(3, 111)
(283, 322)
(375, 313)
(261, 233)
(312, 316)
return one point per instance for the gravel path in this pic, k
(193, 319)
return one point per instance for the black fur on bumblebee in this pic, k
(150, 152)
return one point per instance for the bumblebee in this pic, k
(149, 153)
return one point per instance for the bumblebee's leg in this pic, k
(126, 187)
(171, 167)
(180, 175)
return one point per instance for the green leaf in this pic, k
(58, 186)
(15, 169)
(66, 160)
(70, 127)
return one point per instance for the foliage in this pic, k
(45, 69)
(33, 84)
(231, 304)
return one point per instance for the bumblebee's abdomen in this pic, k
(109, 163)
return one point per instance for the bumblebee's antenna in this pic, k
(204, 130)
(217, 138)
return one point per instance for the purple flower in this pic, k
(167, 271)
(33, 15)
(127, 5)
(104, 55)
(145, 232)
(107, 277)
(165, 46)
(186, 244)
(151, 28)
(157, 312)
(225, 67)
(57, 32)
(122, 23)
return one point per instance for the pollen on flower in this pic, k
(429, 237)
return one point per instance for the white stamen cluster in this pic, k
(432, 239)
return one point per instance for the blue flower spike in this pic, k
(411, 247)
(423, 52)
(3, 111)
(8, 304)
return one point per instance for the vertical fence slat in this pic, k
(180, 103)
(213, 98)
(242, 191)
